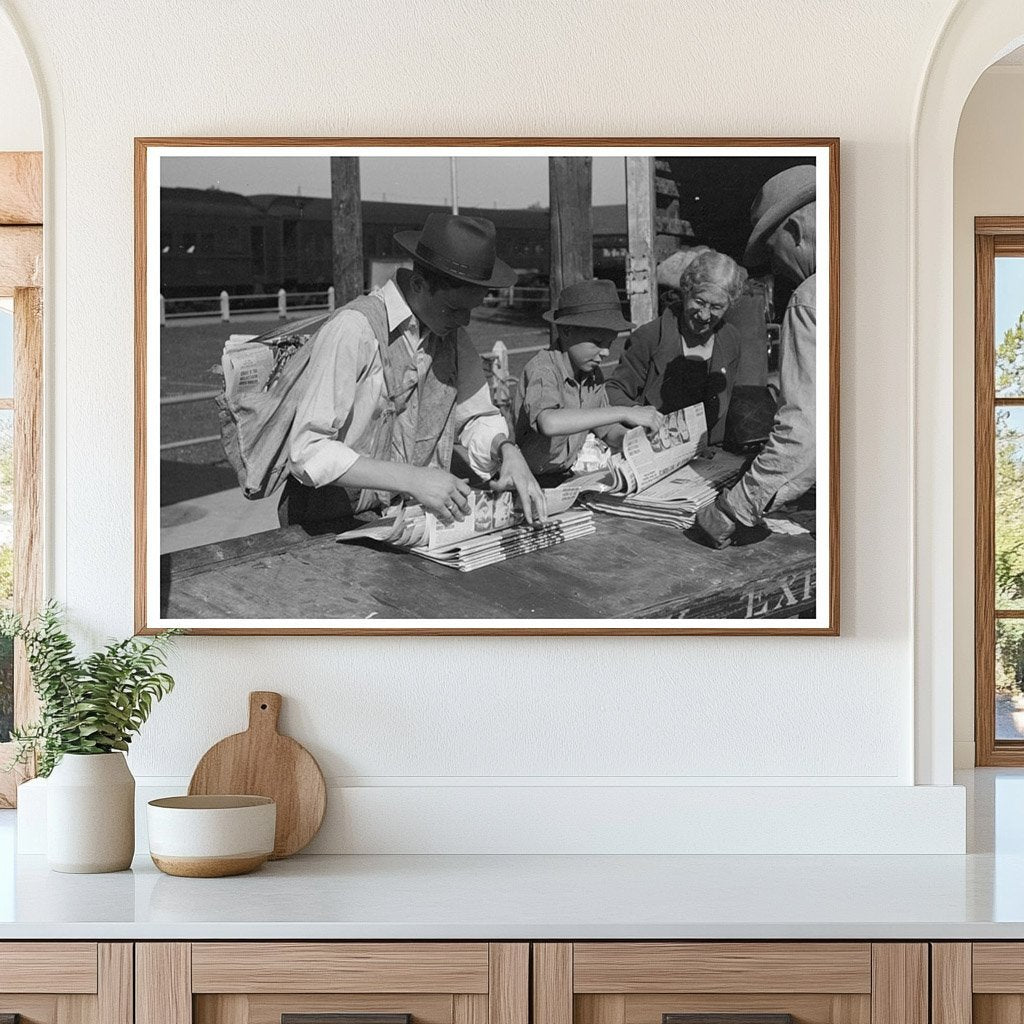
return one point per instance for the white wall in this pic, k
(987, 182)
(21, 126)
(447, 713)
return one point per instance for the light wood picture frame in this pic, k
(237, 234)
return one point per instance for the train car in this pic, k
(213, 241)
(208, 239)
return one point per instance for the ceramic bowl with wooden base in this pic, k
(211, 836)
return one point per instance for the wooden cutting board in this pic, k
(262, 762)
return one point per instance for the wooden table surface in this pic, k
(627, 569)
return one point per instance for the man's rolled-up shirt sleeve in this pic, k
(478, 423)
(341, 353)
(785, 467)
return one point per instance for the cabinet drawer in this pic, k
(634, 967)
(340, 967)
(332, 983)
(57, 967)
(730, 983)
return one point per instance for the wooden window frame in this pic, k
(993, 237)
(21, 272)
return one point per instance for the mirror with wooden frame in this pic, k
(21, 364)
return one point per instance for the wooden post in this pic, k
(641, 285)
(330, 298)
(225, 307)
(347, 231)
(282, 304)
(572, 224)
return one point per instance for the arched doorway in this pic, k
(976, 34)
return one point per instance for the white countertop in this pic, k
(977, 896)
(516, 897)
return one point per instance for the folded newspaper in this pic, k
(493, 531)
(665, 477)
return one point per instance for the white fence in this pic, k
(285, 303)
(225, 306)
(495, 370)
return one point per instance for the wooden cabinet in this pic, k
(759, 982)
(264, 982)
(978, 983)
(512, 983)
(66, 982)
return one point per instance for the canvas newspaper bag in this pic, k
(264, 380)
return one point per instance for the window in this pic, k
(6, 515)
(21, 363)
(999, 490)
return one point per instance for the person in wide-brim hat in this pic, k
(589, 304)
(780, 197)
(561, 397)
(462, 248)
(784, 218)
(393, 383)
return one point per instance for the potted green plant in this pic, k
(89, 710)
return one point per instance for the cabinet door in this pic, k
(66, 982)
(730, 983)
(981, 982)
(332, 983)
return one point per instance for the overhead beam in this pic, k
(21, 188)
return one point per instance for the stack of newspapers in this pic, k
(675, 499)
(662, 478)
(493, 531)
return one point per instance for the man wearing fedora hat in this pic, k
(561, 395)
(783, 218)
(394, 383)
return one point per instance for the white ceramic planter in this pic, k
(90, 814)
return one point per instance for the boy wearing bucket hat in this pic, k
(394, 382)
(783, 218)
(561, 395)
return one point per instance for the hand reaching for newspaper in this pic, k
(515, 475)
(645, 416)
(440, 492)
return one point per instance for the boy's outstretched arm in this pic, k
(560, 422)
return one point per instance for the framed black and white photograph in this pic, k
(499, 386)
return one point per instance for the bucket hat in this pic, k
(592, 303)
(462, 248)
(779, 197)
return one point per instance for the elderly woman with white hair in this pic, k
(691, 353)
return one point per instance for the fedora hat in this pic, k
(462, 248)
(779, 197)
(589, 304)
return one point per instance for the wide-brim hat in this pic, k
(779, 197)
(589, 304)
(462, 248)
